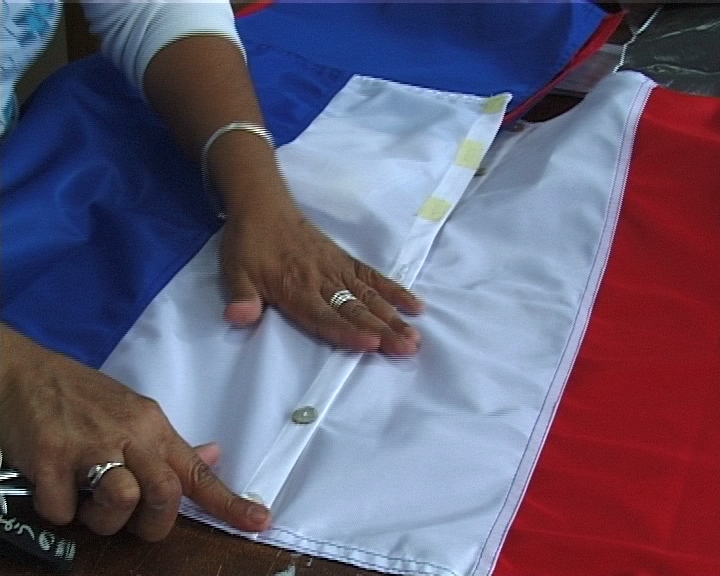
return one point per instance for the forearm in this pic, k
(185, 57)
(23, 363)
(6, 335)
(270, 254)
(13, 349)
(199, 84)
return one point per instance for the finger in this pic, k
(244, 306)
(55, 496)
(200, 484)
(113, 502)
(243, 313)
(390, 290)
(314, 314)
(358, 314)
(400, 333)
(160, 493)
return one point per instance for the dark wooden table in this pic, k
(191, 549)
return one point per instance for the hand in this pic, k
(275, 256)
(271, 255)
(58, 418)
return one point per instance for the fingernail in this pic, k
(257, 514)
(411, 334)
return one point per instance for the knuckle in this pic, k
(355, 310)
(382, 285)
(295, 276)
(201, 475)
(46, 469)
(163, 489)
(150, 408)
(366, 273)
(150, 417)
(50, 448)
(369, 296)
(231, 503)
(60, 516)
(124, 499)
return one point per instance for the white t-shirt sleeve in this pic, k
(133, 32)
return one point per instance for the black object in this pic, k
(36, 539)
(679, 48)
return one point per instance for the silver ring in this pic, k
(340, 297)
(96, 472)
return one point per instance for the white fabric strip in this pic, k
(370, 101)
(413, 466)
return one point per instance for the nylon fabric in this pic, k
(116, 213)
(121, 210)
(386, 478)
(629, 476)
(474, 48)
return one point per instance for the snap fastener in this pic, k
(304, 415)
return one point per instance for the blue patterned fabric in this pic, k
(26, 28)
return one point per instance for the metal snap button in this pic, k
(304, 415)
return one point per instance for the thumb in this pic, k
(245, 305)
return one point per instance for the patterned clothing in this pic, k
(26, 28)
(131, 34)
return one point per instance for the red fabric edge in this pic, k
(248, 9)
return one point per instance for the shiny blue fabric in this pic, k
(100, 208)
(469, 47)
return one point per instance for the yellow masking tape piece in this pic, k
(470, 154)
(434, 209)
(495, 104)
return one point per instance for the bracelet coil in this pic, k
(256, 129)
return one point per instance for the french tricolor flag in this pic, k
(562, 416)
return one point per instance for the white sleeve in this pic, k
(133, 32)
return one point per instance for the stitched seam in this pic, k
(574, 325)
